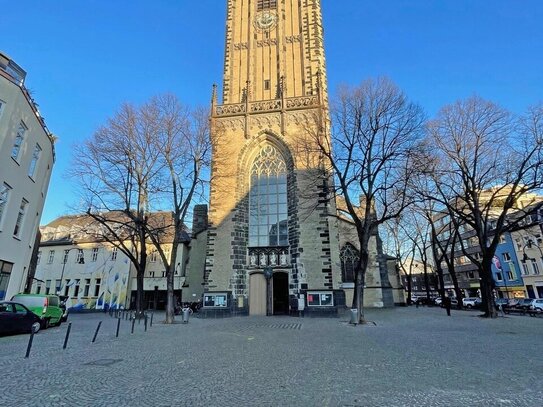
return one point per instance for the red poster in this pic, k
(309, 298)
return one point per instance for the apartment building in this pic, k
(27, 156)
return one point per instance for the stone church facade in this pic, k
(273, 246)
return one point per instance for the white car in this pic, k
(537, 304)
(471, 302)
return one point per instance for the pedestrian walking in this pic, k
(447, 303)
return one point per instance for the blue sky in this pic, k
(84, 58)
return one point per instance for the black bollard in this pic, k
(145, 322)
(29, 343)
(96, 333)
(67, 335)
(152, 313)
(133, 322)
(118, 326)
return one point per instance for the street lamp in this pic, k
(529, 245)
(66, 252)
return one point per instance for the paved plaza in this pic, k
(412, 357)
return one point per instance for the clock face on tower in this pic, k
(265, 20)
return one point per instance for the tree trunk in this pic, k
(426, 283)
(360, 281)
(409, 288)
(139, 290)
(488, 306)
(170, 299)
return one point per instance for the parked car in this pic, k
(438, 301)
(46, 307)
(16, 318)
(524, 304)
(513, 302)
(454, 302)
(502, 302)
(471, 302)
(537, 304)
(424, 301)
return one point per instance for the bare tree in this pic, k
(485, 164)
(374, 133)
(145, 159)
(416, 230)
(396, 244)
(184, 143)
(115, 169)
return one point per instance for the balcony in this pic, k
(267, 106)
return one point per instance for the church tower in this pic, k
(271, 239)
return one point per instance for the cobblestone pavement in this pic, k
(413, 357)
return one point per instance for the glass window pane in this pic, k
(282, 208)
(313, 299)
(282, 198)
(326, 299)
(283, 240)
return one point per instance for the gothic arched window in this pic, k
(268, 224)
(349, 257)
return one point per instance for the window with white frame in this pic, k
(114, 251)
(320, 299)
(47, 286)
(94, 255)
(87, 287)
(38, 288)
(4, 197)
(499, 276)
(502, 239)
(65, 259)
(38, 257)
(67, 287)
(51, 257)
(152, 256)
(76, 287)
(34, 162)
(506, 256)
(518, 243)
(20, 218)
(19, 140)
(97, 284)
(80, 259)
(512, 273)
(535, 267)
(525, 270)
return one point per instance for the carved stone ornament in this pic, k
(241, 45)
(265, 121)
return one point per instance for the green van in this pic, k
(47, 307)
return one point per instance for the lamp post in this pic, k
(66, 253)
